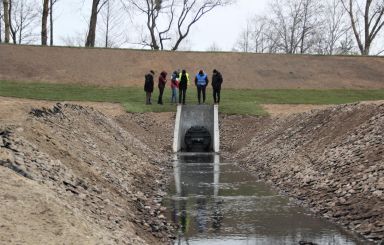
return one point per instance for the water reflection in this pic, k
(218, 203)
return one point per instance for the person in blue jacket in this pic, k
(201, 81)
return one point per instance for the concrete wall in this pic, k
(196, 115)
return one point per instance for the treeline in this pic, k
(166, 23)
(288, 26)
(316, 27)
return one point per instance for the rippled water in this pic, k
(219, 203)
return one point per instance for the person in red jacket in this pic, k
(162, 82)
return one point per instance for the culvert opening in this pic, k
(197, 139)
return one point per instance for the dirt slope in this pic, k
(127, 67)
(330, 160)
(70, 171)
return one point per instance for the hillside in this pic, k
(111, 67)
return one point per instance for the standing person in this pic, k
(183, 85)
(201, 81)
(162, 82)
(148, 87)
(217, 80)
(174, 86)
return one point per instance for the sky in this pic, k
(221, 26)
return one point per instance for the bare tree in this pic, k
(366, 18)
(44, 20)
(311, 21)
(23, 15)
(51, 4)
(154, 10)
(335, 26)
(192, 11)
(97, 5)
(175, 16)
(260, 35)
(243, 44)
(214, 47)
(111, 25)
(1, 22)
(76, 40)
(7, 20)
(286, 21)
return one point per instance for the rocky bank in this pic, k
(71, 175)
(331, 161)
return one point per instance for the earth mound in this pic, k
(119, 67)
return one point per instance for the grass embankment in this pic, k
(233, 101)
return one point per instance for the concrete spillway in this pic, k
(188, 116)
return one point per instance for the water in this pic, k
(219, 203)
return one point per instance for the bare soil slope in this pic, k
(111, 67)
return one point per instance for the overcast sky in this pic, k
(222, 26)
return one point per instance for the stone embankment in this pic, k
(91, 175)
(331, 161)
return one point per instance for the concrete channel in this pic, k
(188, 116)
(214, 201)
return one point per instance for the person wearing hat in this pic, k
(148, 87)
(217, 80)
(201, 81)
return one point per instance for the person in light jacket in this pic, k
(201, 81)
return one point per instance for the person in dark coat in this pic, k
(148, 86)
(162, 82)
(183, 85)
(217, 80)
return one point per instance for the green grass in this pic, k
(234, 101)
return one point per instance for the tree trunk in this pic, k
(51, 22)
(6, 21)
(92, 25)
(11, 28)
(44, 21)
(107, 27)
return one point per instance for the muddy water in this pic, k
(218, 203)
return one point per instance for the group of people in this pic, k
(179, 84)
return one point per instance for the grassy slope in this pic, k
(233, 101)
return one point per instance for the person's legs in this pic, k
(184, 95)
(160, 100)
(173, 98)
(199, 93)
(203, 88)
(218, 96)
(148, 98)
(214, 95)
(180, 95)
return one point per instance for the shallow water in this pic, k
(219, 203)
